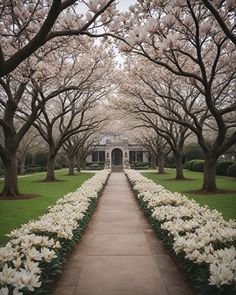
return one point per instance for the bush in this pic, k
(195, 165)
(231, 170)
(193, 151)
(191, 164)
(186, 165)
(222, 166)
(40, 158)
(170, 165)
(135, 164)
(198, 166)
(58, 167)
(33, 169)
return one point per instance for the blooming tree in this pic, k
(147, 96)
(21, 102)
(184, 38)
(26, 26)
(224, 13)
(156, 146)
(73, 111)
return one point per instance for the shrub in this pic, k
(58, 167)
(198, 165)
(193, 151)
(186, 165)
(32, 169)
(139, 164)
(191, 163)
(40, 158)
(231, 170)
(222, 166)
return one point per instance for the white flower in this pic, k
(33, 254)
(32, 267)
(195, 229)
(25, 279)
(26, 247)
(6, 275)
(4, 291)
(47, 255)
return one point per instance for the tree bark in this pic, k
(161, 167)
(153, 162)
(83, 164)
(51, 167)
(71, 161)
(209, 179)
(78, 165)
(10, 188)
(179, 166)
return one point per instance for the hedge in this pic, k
(231, 171)
(222, 166)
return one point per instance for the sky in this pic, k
(124, 4)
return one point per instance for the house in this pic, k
(117, 153)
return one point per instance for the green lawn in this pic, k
(13, 213)
(225, 203)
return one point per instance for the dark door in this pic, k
(117, 157)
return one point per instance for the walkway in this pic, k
(119, 253)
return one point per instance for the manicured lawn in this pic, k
(13, 213)
(225, 203)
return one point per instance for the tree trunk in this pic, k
(71, 161)
(51, 167)
(209, 179)
(153, 162)
(179, 166)
(78, 165)
(10, 187)
(83, 164)
(161, 167)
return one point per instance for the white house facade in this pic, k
(118, 154)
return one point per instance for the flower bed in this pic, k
(37, 250)
(203, 242)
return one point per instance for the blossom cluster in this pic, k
(37, 244)
(199, 233)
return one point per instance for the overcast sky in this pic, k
(124, 4)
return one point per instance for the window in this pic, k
(95, 157)
(101, 156)
(98, 156)
(132, 155)
(140, 156)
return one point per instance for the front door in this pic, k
(117, 157)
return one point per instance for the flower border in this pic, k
(34, 256)
(202, 241)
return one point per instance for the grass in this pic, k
(225, 203)
(16, 212)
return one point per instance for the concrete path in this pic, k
(119, 253)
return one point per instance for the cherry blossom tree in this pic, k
(224, 13)
(73, 111)
(78, 147)
(22, 100)
(27, 145)
(26, 26)
(147, 96)
(183, 38)
(156, 146)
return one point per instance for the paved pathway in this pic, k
(119, 253)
